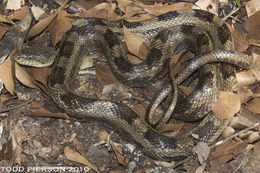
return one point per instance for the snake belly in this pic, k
(91, 35)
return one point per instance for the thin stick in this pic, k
(20, 105)
(230, 14)
(234, 135)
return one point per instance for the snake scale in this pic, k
(199, 31)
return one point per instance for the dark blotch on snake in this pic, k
(202, 39)
(154, 56)
(57, 76)
(130, 25)
(89, 28)
(204, 136)
(160, 142)
(123, 64)
(111, 38)
(168, 16)
(204, 15)
(210, 36)
(130, 117)
(226, 74)
(186, 29)
(66, 49)
(163, 36)
(224, 34)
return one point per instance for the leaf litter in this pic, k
(228, 104)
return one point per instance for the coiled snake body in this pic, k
(200, 31)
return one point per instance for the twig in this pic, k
(183, 161)
(244, 158)
(230, 14)
(234, 135)
(20, 105)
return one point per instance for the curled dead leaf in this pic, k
(77, 157)
(228, 150)
(7, 75)
(20, 14)
(59, 26)
(123, 160)
(23, 76)
(202, 151)
(135, 44)
(254, 105)
(245, 94)
(102, 10)
(43, 24)
(158, 9)
(106, 77)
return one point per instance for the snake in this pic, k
(215, 60)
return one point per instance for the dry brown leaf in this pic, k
(77, 157)
(23, 76)
(244, 119)
(6, 152)
(36, 104)
(252, 7)
(204, 4)
(106, 77)
(39, 77)
(239, 36)
(202, 151)
(39, 74)
(254, 105)
(133, 59)
(3, 30)
(121, 159)
(20, 14)
(254, 42)
(215, 167)
(4, 97)
(245, 78)
(133, 10)
(228, 151)
(103, 135)
(140, 17)
(84, 4)
(227, 106)
(256, 72)
(59, 26)
(5, 19)
(172, 129)
(140, 109)
(245, 94)
(103, 10)
(135, 44)
(253, 26)
(256, 59)
(257, 149)
(185, 90)
(177, 61)
(45, 113)
(79, 147)
(228, 132)
(123, 4)
(7, 75)
(157, 10)
(43, 24)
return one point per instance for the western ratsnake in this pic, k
(200, 31)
